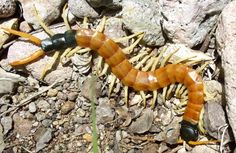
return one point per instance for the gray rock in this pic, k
(47, 122)
(32, 107)
(2, 144)
(81, 9)
(214, 91)
(114, 29)
(48, 11)
(206, 149)
(225, 37)
(8, 81)
(144, 16)
(104, 111)
(145, 120)
(40, 116)
(43, 105)
(189, 22)
(6, 123)
(43, 137)
(72, 96)
(213, 122)
(107, 3)
(7, 8)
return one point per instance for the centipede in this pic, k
(125, 72)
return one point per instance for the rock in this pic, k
(25, 27)
(47, 122)
(21, 49)
(72, 96)
(21, 125)
(145, 120)
(6, 123)
(2, 144)
(150, 148)
(40, 116)
(48, 11)
(7, 8)
(189, 22)
(110, 4)
(81, 112)
(62, 96)
(214, 91)
(88, 137)
(104, 111)
(12, 24)
(67, 107)
(206, 149)
(32, 107)
(213, 122)
(8, 81)
(81, 9)
(225, 37)
(43, 105)
(42, 137)
(52, 92)
(114, 29)
(148, 21)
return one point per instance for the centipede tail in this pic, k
(33, 57)
(151, 80)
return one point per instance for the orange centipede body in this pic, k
(129, 76)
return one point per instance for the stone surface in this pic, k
(7, 8)
(145, 120)
(48, 10)
(214, 91)
(2, 144)
(81, 9)
(11, 23)
(107, 3)
(8, 81)
(67, 107)
(42, 136)
(225, 37)
(189, 22)
(6, 123)
(144, 16)
(213, 122)
(104, 111)
(22, 126)
(22, 49)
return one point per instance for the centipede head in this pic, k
(188, 131)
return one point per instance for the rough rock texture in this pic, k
(225, 37)
(22, 49)
(48, 10)
(106, 3)
(7, 8)
(144, 16)
(81, 9)
(189, 22)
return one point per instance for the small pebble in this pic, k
(88, 137)
(40, 116)
(61, 95)
(32, 107)
(25, 27)
(43, 105)
(7, 8)
(81, 112)
(47, 122)
(6, 123)
(67, 107)
(72, 96)
(52, 92)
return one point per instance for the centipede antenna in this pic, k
(195, 143)
(32, 38)
(28, 59)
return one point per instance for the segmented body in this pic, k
(129, 76)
